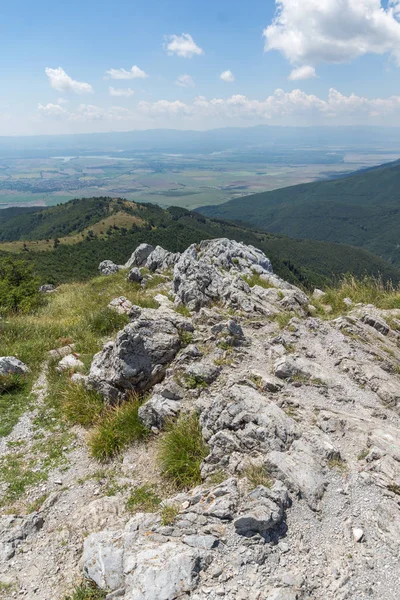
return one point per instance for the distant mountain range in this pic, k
(198, 142)
(362, 209)
(67, 242)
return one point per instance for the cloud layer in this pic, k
(182, 45)
(309, 32)
(62, 82)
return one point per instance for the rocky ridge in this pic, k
(311, 403)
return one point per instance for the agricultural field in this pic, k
(182, 180)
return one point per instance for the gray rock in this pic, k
(135, 275)
(102, 559)
(139, 256)
(47, 288)
(231, 328)
(163, 572)
(282, 594)
(140, 355)
(107, 267)
(121, 305)
(318, 294)
(240, 421)
(10, 365)
(158, 410)
(262, 516)
(376, 322)
(160, 259)
(201, 275)
(70, 363)
(203, 371)
(203, 542)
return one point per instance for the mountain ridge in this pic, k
(360, 209)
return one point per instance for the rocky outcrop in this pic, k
(138, 358)
(301, 419)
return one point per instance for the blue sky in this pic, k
(197, 64)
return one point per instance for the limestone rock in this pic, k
(70, 362)
(135, 275)
(139, 356)
(160, 259)
(121, 305)
(158, 410)
(47, 288)
(139, 256)
(10, 365)
(107, 267)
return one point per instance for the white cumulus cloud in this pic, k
(185, 81)
(304, 72)
(121, 93)
(182, 45)
(133, 73)
(309, 32)
(227, 76)
(54, 111)
(62, 82)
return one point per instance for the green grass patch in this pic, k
(118, 427)
(257, 475)
(182, 310)
(282, 319)
(144, 499)
(107, 321)
(87, 590)
(81, 406)
(256, 279)
(181, 451)
(169, 512)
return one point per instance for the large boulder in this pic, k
(139, 256)
(160, 259)
(140, 354)
(10, 365)
(107, 267)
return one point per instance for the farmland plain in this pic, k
(186, 180)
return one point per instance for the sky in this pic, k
(86, 66)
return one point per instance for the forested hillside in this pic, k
(304, 262)
(362, 210)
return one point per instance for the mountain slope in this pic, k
(362, 209)
(305, 262)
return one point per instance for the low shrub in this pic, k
(182, 450)
(19, 288)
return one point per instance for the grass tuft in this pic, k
(181, 451)
(258, 475)
(169, 512)
(256, 279)
(87, 590)
(143, 499)
(119, 427)
(81, 406)
(107, 321)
